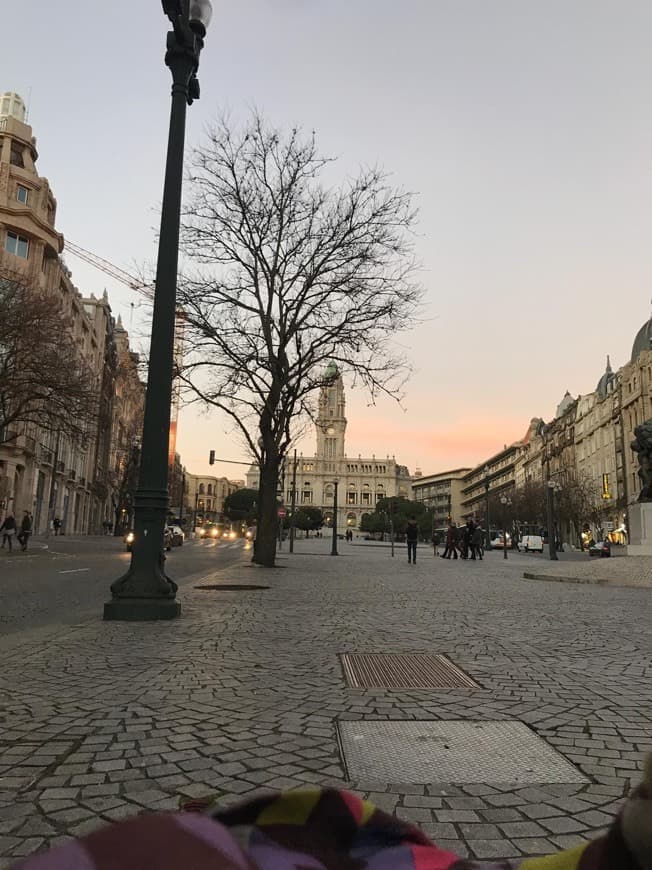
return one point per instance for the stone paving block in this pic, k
(26, 847)
(480, 832)
(522, 829)
(563, 825)
(534, 845)
(456, 816)
(493, 849)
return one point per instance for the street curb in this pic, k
(586, 581)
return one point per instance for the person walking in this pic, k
(25, 529)
(8, 529)
(477, 537)
(451, 542)
(466, 539)
(412, 536)
(57, 525)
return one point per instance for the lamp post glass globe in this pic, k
(199, 15)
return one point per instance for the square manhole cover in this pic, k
(373, 670)
(451, 751)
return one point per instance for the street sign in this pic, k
(281, 512)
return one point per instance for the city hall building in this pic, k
(362, 482)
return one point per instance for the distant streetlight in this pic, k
(334, 541)
(145, 592)
(554, 488)
(506, 502)
(486, 497)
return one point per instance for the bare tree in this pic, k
(44, 380)
(290, 275)
(580, 504)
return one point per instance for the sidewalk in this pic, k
(246, 691)
(621, 571)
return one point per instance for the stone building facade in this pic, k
(204, 496)
(44, 471)
(361, 481)
(442, 493)
(588, 440)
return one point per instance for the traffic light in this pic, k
(211, 458)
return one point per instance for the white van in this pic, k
(531, 543)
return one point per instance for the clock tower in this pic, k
(330, 425)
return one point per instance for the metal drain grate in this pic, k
(451, 751)
(371, 670)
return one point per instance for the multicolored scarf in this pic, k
(321, 829)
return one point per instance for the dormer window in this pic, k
(22, 194)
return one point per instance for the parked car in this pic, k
(177, 534)
(600, 548)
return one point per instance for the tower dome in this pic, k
(605, 381)
(12, 106)
(643, 340)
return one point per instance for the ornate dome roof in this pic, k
(605, 381)
(643, 340)
(566, 403)
(332, 370)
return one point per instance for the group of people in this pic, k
(9, 529)
(468, 540)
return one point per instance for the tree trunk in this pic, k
(267, 526)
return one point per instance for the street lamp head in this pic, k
(199, 16)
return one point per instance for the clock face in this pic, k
(330, 430)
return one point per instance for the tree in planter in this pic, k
(291, 275)
(308, 519)
(44, 381)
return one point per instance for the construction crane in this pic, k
(146, 290)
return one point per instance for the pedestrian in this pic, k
(451, 542)
(8, 529)
(477, 537)
(466, 539)
(412, 536)
(25, 529)
(57, 525)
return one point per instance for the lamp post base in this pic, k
(141, 609)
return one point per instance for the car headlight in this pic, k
(130, 537)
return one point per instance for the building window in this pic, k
(17, 245)
(201, 489)
(352, 496)
(22, 193)
(16, 156)
(366, 494)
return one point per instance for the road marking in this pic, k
(73, 571)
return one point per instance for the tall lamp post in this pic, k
(486, 508)
(506, 502)
(145, 592)
(334, 541)
(555, 488)
(552, 549)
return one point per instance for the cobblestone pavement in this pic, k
(104, 720)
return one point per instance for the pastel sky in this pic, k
(524, 128)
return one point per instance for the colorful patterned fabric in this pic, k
(312, 829)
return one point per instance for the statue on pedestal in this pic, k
(642, 444)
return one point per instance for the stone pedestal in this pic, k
(640, 531)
